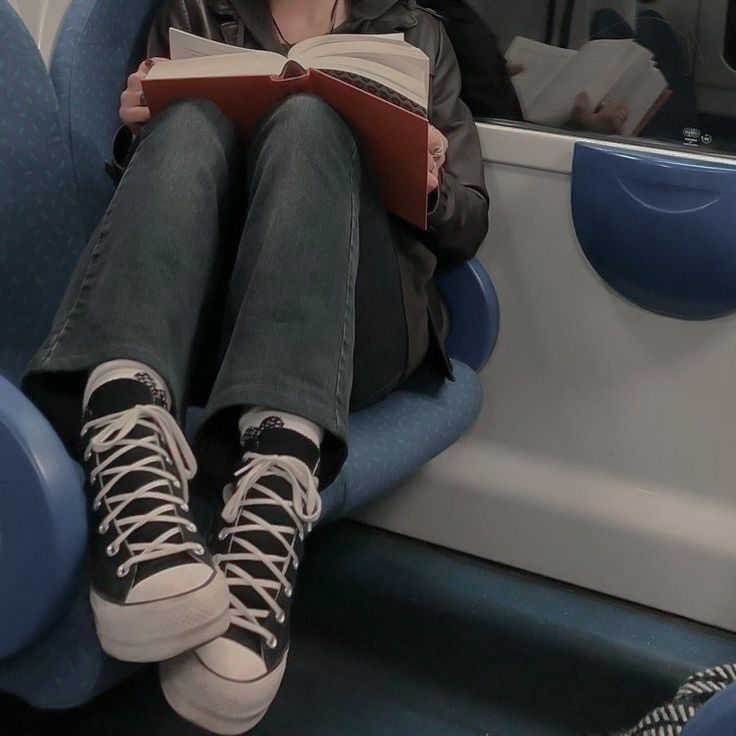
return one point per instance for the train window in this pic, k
(651, 70)
(729, 49)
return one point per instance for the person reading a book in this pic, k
(493, 87)
(487, 76)
(263, 276)
(606, 118)
(653, 32)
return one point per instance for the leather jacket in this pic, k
(458, 218)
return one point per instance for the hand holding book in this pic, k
(608, 118)
(134, 111)
(379, 84)
(436, 156)
(622, 84)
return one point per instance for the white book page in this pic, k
(648, 91)
(384, 39)
(365, 49)
(252, 64)
(404, 57)
(386, 59)
(185, 45)
(594, 70)
(541, 61)
(416, 90)
(631, 76)
(416, 68)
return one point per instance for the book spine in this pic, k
(292, 80)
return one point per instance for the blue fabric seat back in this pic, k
(99, 44)
(41, 232)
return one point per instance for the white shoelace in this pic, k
(304, 508)
(110, 434)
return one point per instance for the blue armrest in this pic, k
(717, 717)
(472, 302)
(43, 523)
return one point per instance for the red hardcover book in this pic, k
(390, 128)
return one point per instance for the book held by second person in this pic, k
(619, 71)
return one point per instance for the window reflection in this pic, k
(605, 49)
(729, 48)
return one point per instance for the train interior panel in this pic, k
(545, 546)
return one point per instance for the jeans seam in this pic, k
(84, 284)
(349, 291)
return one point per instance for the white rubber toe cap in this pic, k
(172, 582)
(231, 660)
(205, 686)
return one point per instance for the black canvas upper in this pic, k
(112, 397)
(269, 440)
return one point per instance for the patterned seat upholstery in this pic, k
(53, 189)
(41, 232)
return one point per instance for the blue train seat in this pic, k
(55, 133)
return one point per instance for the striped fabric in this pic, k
(671, 719)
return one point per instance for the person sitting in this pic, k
(655, 33)
(487, 78)
(269, 281)
(487, 87)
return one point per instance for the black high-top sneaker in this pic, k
(156, 592)
(227, 686)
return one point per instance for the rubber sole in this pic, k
(159, 630)
(215, 703)
(180, 701)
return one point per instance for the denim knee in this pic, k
(192, 130)
(305, 119)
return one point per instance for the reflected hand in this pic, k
(514, 68)
(608, 118)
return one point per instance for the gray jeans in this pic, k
(267, 277)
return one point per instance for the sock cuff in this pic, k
(115, 370)
(258, 418)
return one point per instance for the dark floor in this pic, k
(397, 637)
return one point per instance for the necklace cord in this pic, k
(333, 20)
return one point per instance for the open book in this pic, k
(378, 83)
(619, 71)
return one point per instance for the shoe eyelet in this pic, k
(192, 528)
(168, 460)
(102, 528)
(87, 456)
(97, 506)
(123, 571)
(222, 535)
(272, 643)
(199, 550)
(92, 477)
(112, 550)
(280, 617)
(185, 507)
(177, 485)
(288, 591)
